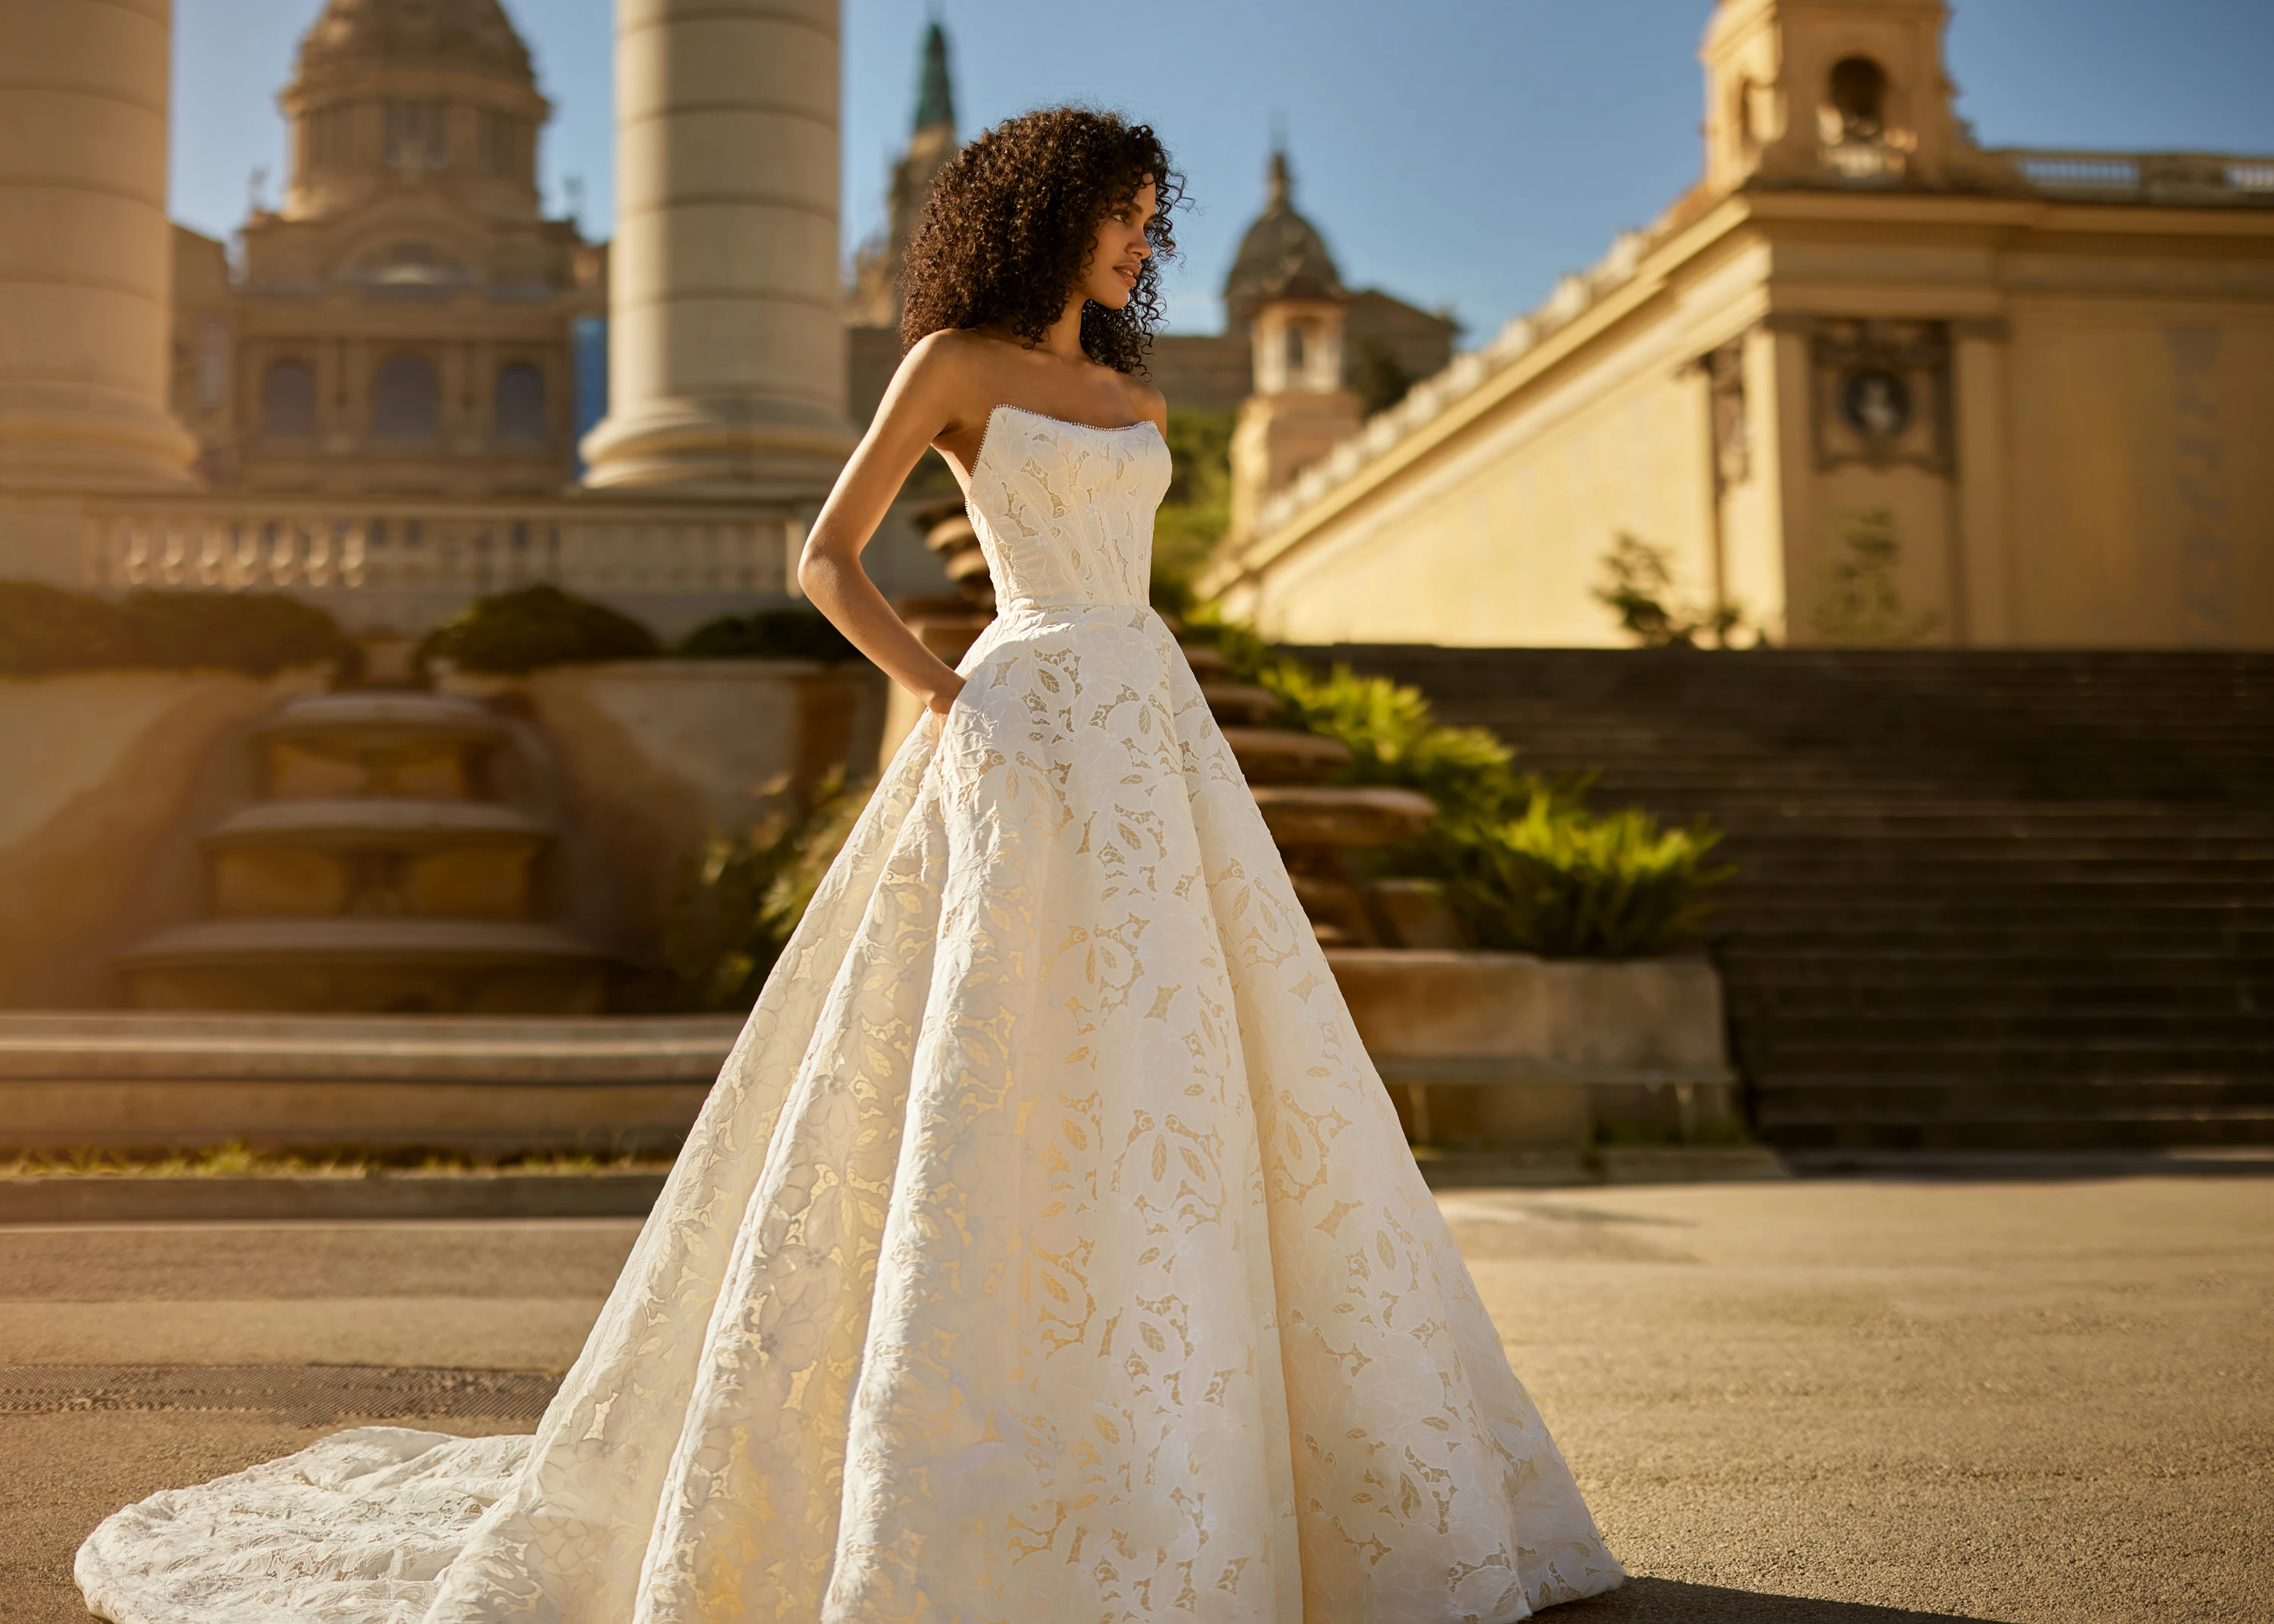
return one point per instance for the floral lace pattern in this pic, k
(1047, 1249)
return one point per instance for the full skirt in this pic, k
(1048, 1252)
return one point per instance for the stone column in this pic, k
(727, 328)
(1986, 570)
(86, 251)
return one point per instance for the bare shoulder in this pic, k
(946, 357)
(1147, 402)
(944, 375)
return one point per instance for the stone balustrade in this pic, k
(2149, 177)
(402, 564)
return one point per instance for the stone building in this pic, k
(403, 322)
(2011, 398)
(1388, 344)
(374, 410)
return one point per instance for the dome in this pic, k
(461, 36)
(1283, 256)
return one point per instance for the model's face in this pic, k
(1120, 251)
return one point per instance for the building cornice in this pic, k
(1440, 410)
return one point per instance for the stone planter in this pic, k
(656, 757)
(96, 833)
(1505, 1051)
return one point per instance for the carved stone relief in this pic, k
(1725, 378)
(1882, 393)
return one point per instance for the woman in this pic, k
(1047, 1249)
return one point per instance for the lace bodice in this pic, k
(1065, 511)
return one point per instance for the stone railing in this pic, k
(380, 561)
(2149, 178)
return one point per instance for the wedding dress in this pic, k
(1048, 1251)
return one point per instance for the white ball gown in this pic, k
(1048, 1251)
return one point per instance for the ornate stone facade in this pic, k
(402, 322)
(2023, 387)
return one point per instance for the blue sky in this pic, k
(1458, 153)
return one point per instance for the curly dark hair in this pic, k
(1006, 234)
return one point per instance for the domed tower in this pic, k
(1285, 292)
(1281, 255)
(437, 93)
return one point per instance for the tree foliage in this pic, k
(1639, 584)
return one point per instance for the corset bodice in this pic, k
(1065, 511)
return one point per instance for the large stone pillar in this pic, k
(86, 251)
(726, 332)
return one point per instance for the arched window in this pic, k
(406, 400)
(288, 400)
(1295, 357)
(1859, 95)
(521, 404)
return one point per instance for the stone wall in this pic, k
(658, 757)
(651, 760)
(108, 772)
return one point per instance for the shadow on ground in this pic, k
(1669, 1601)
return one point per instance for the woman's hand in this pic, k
(937, 703)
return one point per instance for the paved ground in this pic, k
(1808, 1403)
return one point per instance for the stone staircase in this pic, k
(1989, 902)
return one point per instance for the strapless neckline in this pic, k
(987, 435)
(1064, 510)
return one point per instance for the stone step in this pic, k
(2027, 895)
(1826, 998)
(1820, 963)
(1931, 1099)
(2047, 1132)
(1768, 1060)
(1922, 1020)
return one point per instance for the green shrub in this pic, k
(518, 632)
(1567, 882)
(1639, 582)
(1526, 865)
(770, 633)
(1395, 740)
(739, 903)
(1196, 510)
(44, 629)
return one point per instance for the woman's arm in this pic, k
(917, 410)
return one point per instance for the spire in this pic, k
(1283, 255)
(935, 95)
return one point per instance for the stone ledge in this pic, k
(124, 1046)
(127, 1199)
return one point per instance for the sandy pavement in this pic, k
(1810, 1402)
